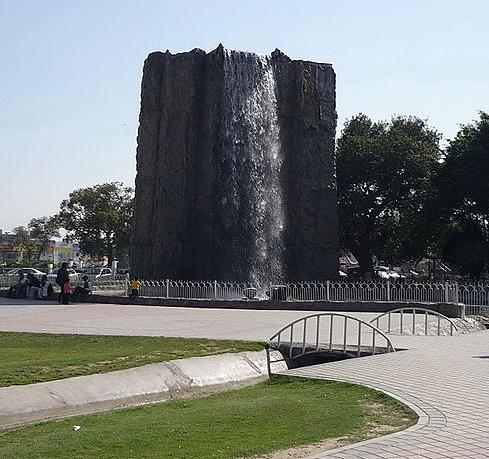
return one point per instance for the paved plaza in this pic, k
(445, 379)
(112, 319)
(445, 382)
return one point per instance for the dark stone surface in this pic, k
(182, 229)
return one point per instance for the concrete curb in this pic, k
(163, 381)
(451, 310)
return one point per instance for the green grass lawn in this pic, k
(277, 414)
(35, 357)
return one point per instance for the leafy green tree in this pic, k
(385, 174)
(467, 247)
(464, 198)
(99, 218)
(24, 243)
(43, 230)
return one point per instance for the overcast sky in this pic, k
(70, 74)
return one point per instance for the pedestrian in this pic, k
(15, 289)
(135, 286)
(46, 287)
(85, 290)
(21, 290)
(33, 286)
(63, 280)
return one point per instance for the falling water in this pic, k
(251, 195)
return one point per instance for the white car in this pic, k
(16, 271)
(71, 272)
(382, 272)
(98, 273)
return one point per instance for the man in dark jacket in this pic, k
(63, 280)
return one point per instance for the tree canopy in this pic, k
(385, 174)
(99, 218)
(43, 230)
(463, 197)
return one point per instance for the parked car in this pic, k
(382, 272)
(98, 273)
(71, 272)
(16, 271)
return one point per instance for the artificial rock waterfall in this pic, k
(235, 168)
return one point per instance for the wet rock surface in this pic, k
(235, 168)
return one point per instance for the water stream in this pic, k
(251, 192)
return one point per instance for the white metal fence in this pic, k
(442, 292)
(117, 284)
(196, 289)
(475, 296)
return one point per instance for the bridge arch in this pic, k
(329, 332)
(414, 321)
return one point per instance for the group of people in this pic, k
(66, 291)
(29, 286)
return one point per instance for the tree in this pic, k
(43, 230)
(24, 243)
(464, 198)
(385, 174)
(99, 218)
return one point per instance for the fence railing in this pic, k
(197, 289)
(475, 296)
(399, 291)
(117, 283)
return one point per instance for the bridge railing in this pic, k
(331, 331)
(414, 321)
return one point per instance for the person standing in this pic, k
(135, 286)
(63, 280)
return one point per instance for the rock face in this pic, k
(235, 169)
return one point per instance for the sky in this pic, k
(70, 74)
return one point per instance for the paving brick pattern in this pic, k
(446, 382)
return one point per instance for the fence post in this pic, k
(215, 290)
(446, 292)
(327, 290)
(388, 290)
(167, 288)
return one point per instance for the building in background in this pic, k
(58, 252)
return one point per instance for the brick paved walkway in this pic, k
(447, 382)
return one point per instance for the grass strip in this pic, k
(277, 414)
(36, 357)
